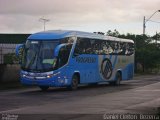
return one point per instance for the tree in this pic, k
(156, 37)
(115, 33)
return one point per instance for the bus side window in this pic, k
(126, 48)
(100, 47)
(83, 46)
(110, 47)
(104, 48)
(64, 55)
(87, 46)
(78, 49)
(92, 42)
(123, 49)
(97, 46)
(120, 48)
(130, 48)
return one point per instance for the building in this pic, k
(8, 44)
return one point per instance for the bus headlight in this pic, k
(49, 76)
(23, 75)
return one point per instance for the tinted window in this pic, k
(83, 46)
(103, 47)
(64, 55)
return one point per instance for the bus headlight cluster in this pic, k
(49, 76)
(52, 75)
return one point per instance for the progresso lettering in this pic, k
(85, 59)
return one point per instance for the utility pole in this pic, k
(156, 37)
(144, 25)
(44, 20)
(146, 20)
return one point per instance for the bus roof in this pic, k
(58, 34)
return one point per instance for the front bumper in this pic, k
(53, 81)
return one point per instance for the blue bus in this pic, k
(63, 58)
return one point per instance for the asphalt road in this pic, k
(140, 95)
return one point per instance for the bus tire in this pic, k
(44, 88)
(117, 81)
(74, 83)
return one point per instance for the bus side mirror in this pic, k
(19, 49)
(19, 52)
(57, 49)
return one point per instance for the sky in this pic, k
(126, 16)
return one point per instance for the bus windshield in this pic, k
(38, 56)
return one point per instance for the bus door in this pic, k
(62, 52)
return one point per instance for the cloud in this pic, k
(22, 15)
(47, 6)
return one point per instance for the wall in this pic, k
(9, 73)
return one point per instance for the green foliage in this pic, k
(115, 33)
(10, 58)
(147, 53)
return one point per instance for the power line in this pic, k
(146, 20)
(154, 21)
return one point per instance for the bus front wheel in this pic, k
(43, 88)
(74, 83)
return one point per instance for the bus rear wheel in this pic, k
(117, 81)
(44, 88)
(118, 78)
(74, 83)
